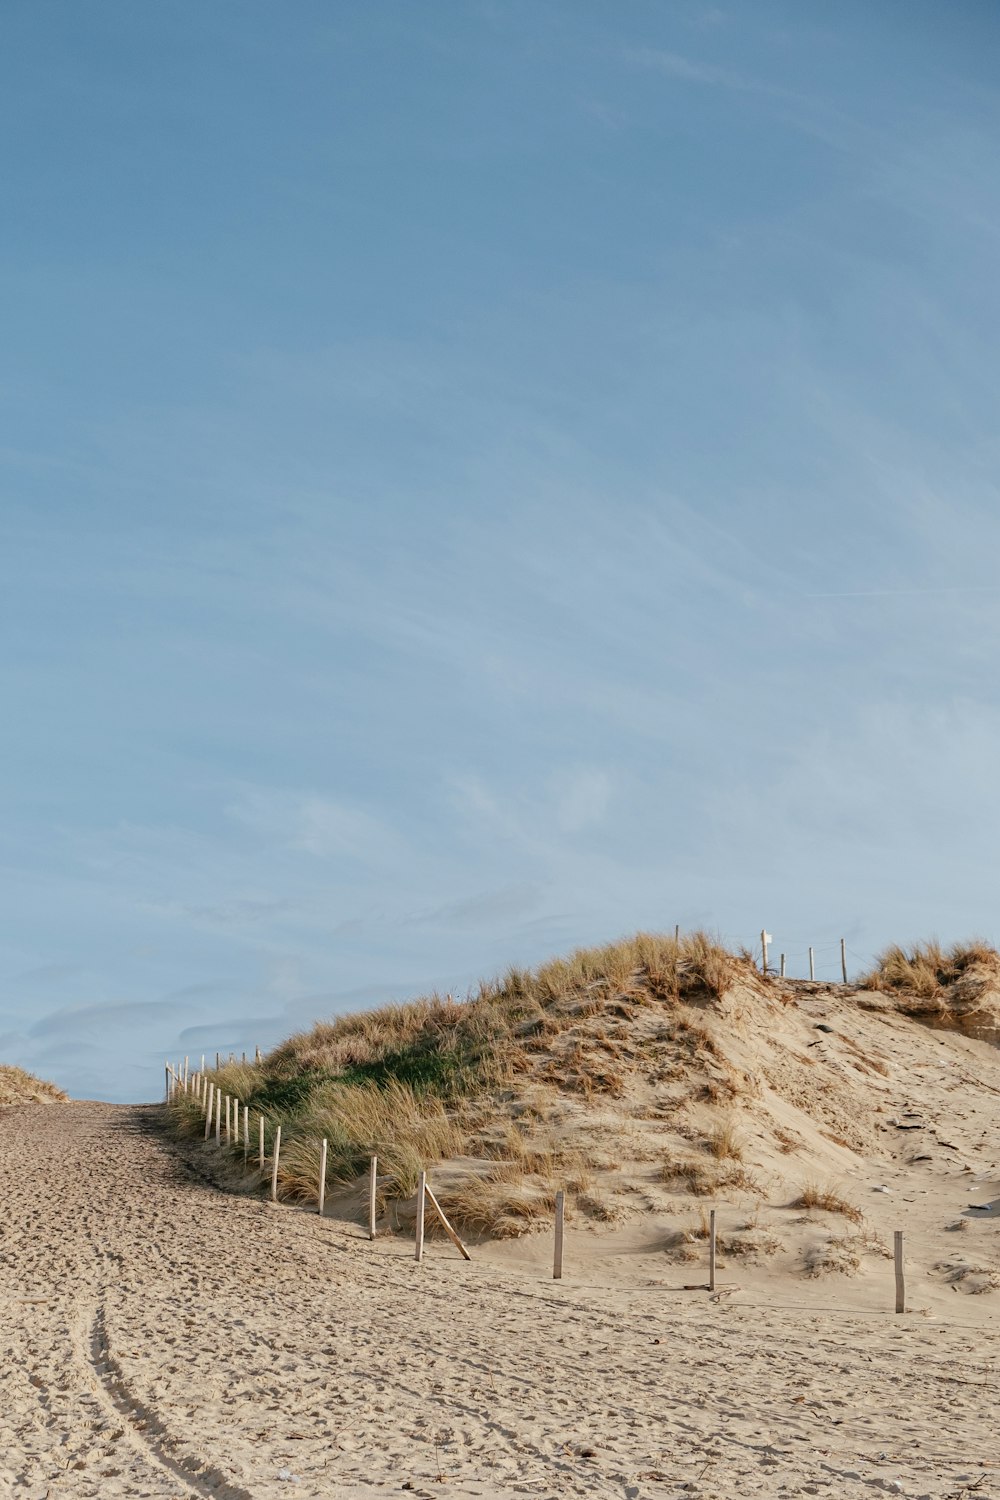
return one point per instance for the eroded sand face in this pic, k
(163, 1339)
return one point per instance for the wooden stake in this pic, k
(244, 1058)
(782, 966)
(372, 1171)
(218, 1117)
(557, 1254)
(812, 965)
(260, 1135)
(229, 1136)
(897, 1255)
(843, 958)
(246, 1132)
(274, 1165)
(447, 1227)
(711, 1251)
(203, 1062)
(677, 933)
(216, 1062)
(257, 1055)
(763, 948)
(166, 1076)
(322, 1177)
(185, 1075)
(208, 1112)
(421, 1199)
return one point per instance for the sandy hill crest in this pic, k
(651, 1079)
(19, 1087)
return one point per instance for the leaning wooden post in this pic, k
(421, 1201)
(274, 1165)
(897, 1255)
(372, 1180)
(812, 965)
(557, 1254)
(843, 958)
(208, 1111)
(322, 1177)
(711, 1251)
(456, 1241)
(260, 1141)
(218, 1117)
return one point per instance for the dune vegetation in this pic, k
(639, 1077)
(479, 1083)
(20, 1087)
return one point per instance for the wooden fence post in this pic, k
(843, 958)
(421, 1200)
(260, 1140)
(229, 1136)
(246, 1133)
(782, 966)
(812, 965)
(257, 1056)
(557, 1254)
(765, 938)
(322, 1177)
(185, 1075)
(711, 1251)
(897, 1256)
(208, 1111)
(274, 1165)
(372, 1179)
(216, 1062)
(166, 1083)
(218, 1117)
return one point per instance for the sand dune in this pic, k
(166, 1339)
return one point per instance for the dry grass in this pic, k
(926, 969)
(724, 1141)
(20, 1087)
(829, 1198)
(703, 1178)
(835, 1254)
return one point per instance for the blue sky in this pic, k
(481, 478)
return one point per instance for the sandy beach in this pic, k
(166, 1339)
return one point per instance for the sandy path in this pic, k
(163, 1339)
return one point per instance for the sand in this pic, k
(162, 1338)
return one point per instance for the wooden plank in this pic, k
(274, 1165)
(897, 1255)
(446, 1226)
(322, 1177)
(372, 1179)
(421, 1201)
(557, 1255)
